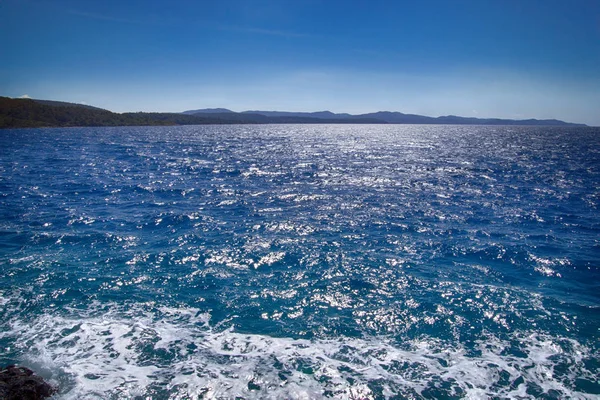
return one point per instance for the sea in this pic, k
(303, 261)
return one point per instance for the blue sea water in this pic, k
(303, 261)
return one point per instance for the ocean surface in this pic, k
(303, 261)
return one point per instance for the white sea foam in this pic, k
(3, 299)
(174, 353)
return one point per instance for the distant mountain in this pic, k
(29, 113)
(318, 114)
(387, 117)
(209, 111)
(249, 117)
(22, 113)
(394, 117)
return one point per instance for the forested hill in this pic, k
(30, 113)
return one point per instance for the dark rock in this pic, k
(20, 383)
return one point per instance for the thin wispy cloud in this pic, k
(264, 31)
(103, 17)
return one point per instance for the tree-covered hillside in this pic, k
(29, 113)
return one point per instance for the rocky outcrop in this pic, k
(20, 383)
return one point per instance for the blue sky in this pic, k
(484, 58)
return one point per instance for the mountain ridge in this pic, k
(396, 117)
(34, 113)
(209, 111)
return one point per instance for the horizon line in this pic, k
(27, 97)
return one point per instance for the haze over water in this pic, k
(303, 261)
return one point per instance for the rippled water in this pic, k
(296, 261)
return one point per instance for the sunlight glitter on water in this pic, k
(302, 261)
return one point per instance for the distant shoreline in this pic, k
(32, 113)
(286, 123)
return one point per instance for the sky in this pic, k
(482, 58)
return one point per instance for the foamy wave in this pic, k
(174, 353)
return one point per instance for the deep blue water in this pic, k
(303, 261)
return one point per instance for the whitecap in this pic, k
(170, 352)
